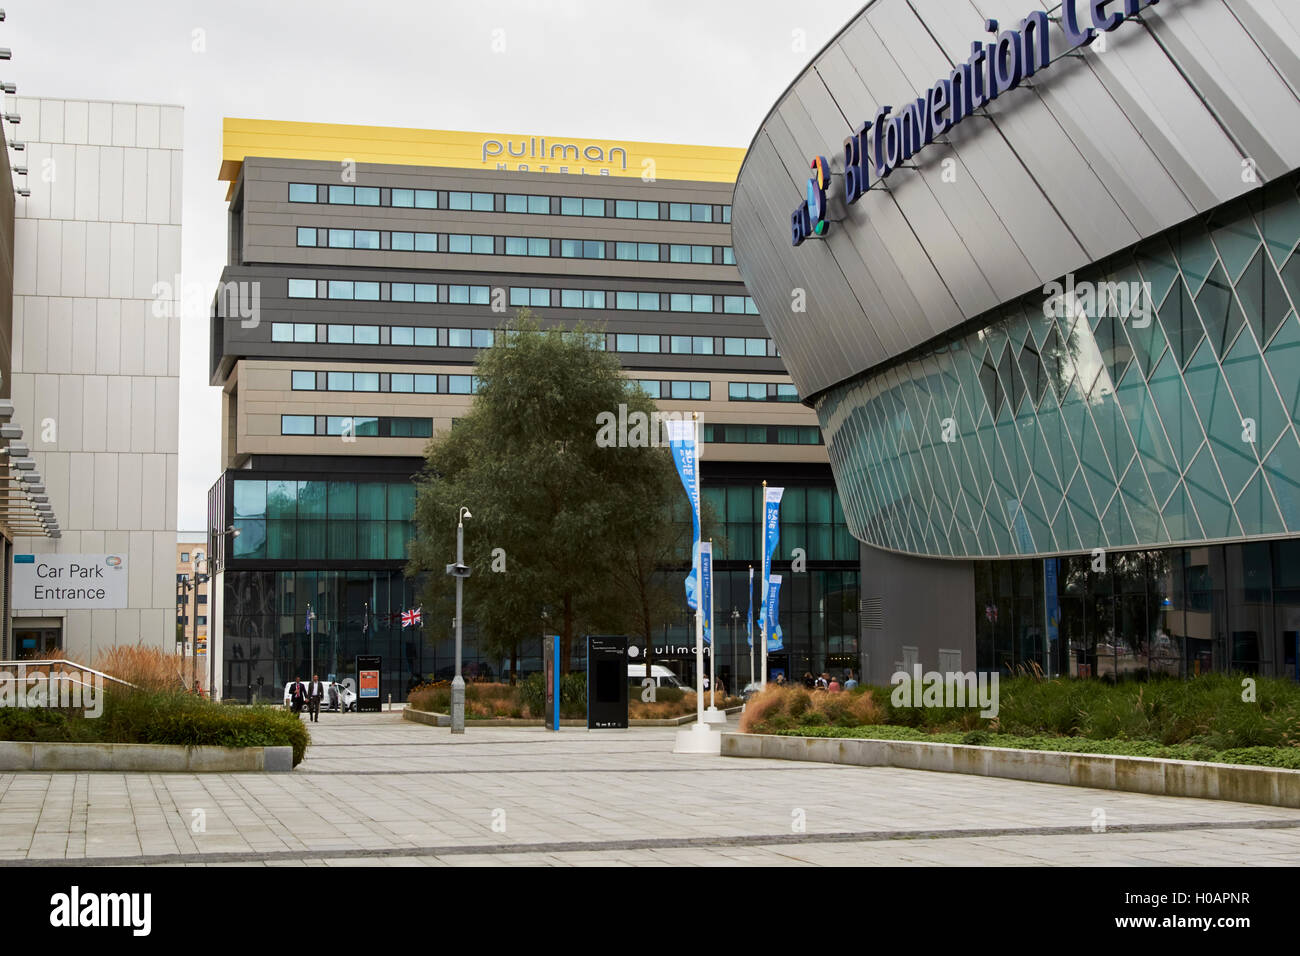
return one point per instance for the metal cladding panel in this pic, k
(1096, 152)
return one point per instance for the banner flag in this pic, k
(771, 532)
(749, 621)
(706, 590)
(774, 614)
(681, 440)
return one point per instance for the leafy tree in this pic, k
(557, 517)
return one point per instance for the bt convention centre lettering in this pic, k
(881, 145)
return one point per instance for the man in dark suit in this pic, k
(297, 696)
(315, 693)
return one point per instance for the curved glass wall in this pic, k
(1150, 401)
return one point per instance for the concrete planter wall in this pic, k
(444, 720)
(1171, 778)
(143, 758)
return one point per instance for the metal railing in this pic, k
(66, 665)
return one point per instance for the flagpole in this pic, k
(699, 602)
(751, 618)
(762, 680)
(713, 638)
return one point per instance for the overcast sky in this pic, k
(676, 71)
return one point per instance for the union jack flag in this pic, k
(412, 617)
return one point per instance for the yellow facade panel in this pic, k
(331, 142)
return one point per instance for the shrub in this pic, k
(669, 695)
(150, 669)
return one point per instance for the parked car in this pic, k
(663, 677)
(346, 696)
(752, 688)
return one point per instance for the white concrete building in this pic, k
(95, 362)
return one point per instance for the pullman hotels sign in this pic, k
(881, 145)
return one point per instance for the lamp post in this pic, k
(199, 578)
(460, 571)
(232, 533)
(735, 616)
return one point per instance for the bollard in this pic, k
(390, 702)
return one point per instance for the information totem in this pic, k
(607, 683)
(551, 673)
(368, 667)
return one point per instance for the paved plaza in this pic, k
(375, 789)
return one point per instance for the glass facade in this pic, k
(1151, 402)
(1177, 612)
(322, 520)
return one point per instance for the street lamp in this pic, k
(460, 571)
(735, 616)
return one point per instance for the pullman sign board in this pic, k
(69, 582)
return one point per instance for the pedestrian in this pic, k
(780, 679)
(851, 682)
(834, 686)
(821, 683)
(315, 693)
(808, 680)
(334, 696)
(297, 697)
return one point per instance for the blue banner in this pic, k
(771, 532)
(706, 591)
(681, 440)
(773, 608)
(749, 621)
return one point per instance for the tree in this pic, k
(555, 505)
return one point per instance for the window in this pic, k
(650, 387)
(304, 332)
(365, 381)
(726, 214)
(402, 241)
(185, 557)
(683, 302)
(478, 245)
(340, 289)
(366, 334)
(304, 381)
(461, 384)
(342, 195)
(426, 384)
(701, 212)
(306, 236)
(367, 196)
(302, 192)
(402, 382)
(478, 202)
(302, 288)
(530, 297)
(339, 381)
(679, 211)
(593, 207)
(728, 256)
(647, 301)
(297, 425)
(538, 205)
(365, 239)
(638, 251)
(702, 255)
(339, 334)
(734, 304)
(281, 331)
(468, 294)
(570, 206)
(415, 198)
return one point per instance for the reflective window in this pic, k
(306, 236)
(302, 288)
(302, 192)
(304, 381)
(297, 425)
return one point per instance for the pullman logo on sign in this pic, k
(881, 145)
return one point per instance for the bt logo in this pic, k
(810, 218)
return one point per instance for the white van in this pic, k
(663, 677)
(345, 695)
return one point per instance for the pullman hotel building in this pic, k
(1052, 286)
(367, 268)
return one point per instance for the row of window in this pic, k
(538, 297)
(345, 334)
(675, 389)
(418, 383)
(385, 240)
(508, 202)
(761, 392)
(763, 434)
(360, 426)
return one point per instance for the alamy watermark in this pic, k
(947, 689)
(635, 429)
(1118, 300)
(47, 687)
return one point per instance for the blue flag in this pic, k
(749, 621)
(706, 600)
(773, 605)
(771, 532)
(681, 440)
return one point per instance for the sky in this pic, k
(674, 71)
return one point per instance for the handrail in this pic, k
(67, 663)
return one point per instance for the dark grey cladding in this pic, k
(1190, 104)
